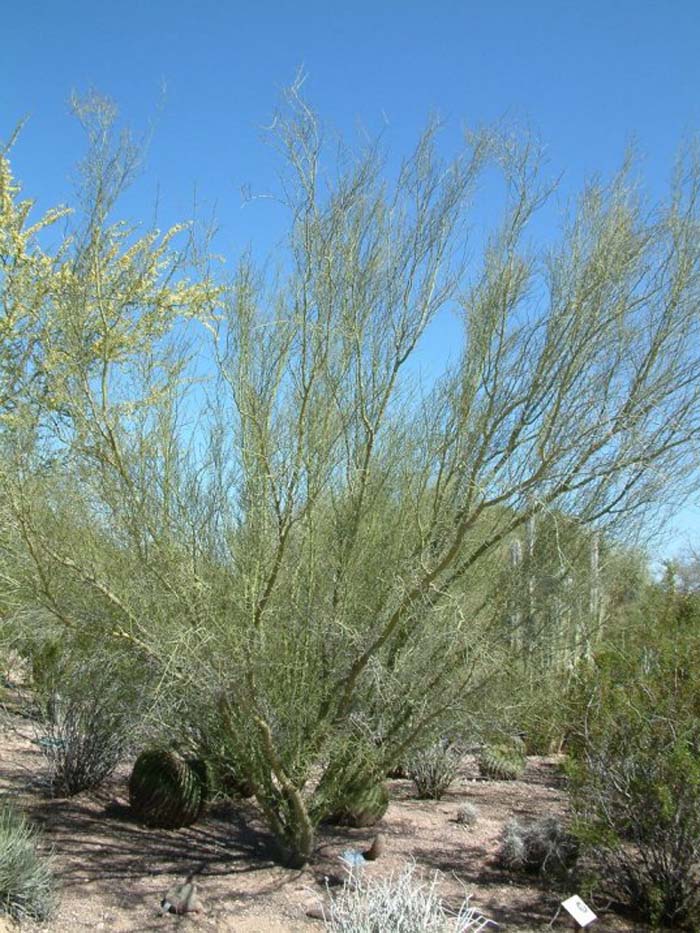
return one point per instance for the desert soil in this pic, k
(113, 872)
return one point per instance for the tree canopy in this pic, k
(303, 539)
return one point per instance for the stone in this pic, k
(376, 849)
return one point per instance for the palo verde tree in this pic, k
(303, 540)
(81, 361)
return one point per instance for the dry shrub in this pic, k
(543, 847)
(402, 903)
(434, 769)
(92, 712)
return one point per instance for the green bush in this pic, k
(635, 774)
(545, 724)
(636, 794)
(211, 739)
(44, 657)
(27, 887)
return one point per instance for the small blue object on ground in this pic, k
(353, 858)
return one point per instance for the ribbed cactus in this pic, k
(502, 762)
(166, 790)
(364, 808)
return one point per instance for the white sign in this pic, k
(582, 913)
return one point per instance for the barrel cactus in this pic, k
(502, 762)
(166, 790)
(364, 807)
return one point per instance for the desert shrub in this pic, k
(502, 762)
(637, 796)
(167, 790)
(27, 887)
(434, 769)
(543, 847)
(467, 815)
(34, 640)
(636, 793)
(403, 903)
(210, 739)
(544, 721)
(90, 713)
(397, 772)
(635, 774)
(352, 790)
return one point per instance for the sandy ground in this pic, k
(113, 872)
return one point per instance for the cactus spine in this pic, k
(167, 791)
(502, 762)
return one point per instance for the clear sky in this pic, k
(588, 75)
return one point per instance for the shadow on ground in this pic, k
(103, 847)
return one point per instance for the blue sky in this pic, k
(590, 76)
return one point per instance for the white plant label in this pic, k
(582, 913)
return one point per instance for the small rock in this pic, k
(181, 899)
(376, 849)
(317, 913)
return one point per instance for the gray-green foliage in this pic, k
(543, 847)
(402, 903)
(467, 815)
(27, 885)
(434, 769)
(91, 708)
(200, 722)
(244, 482)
